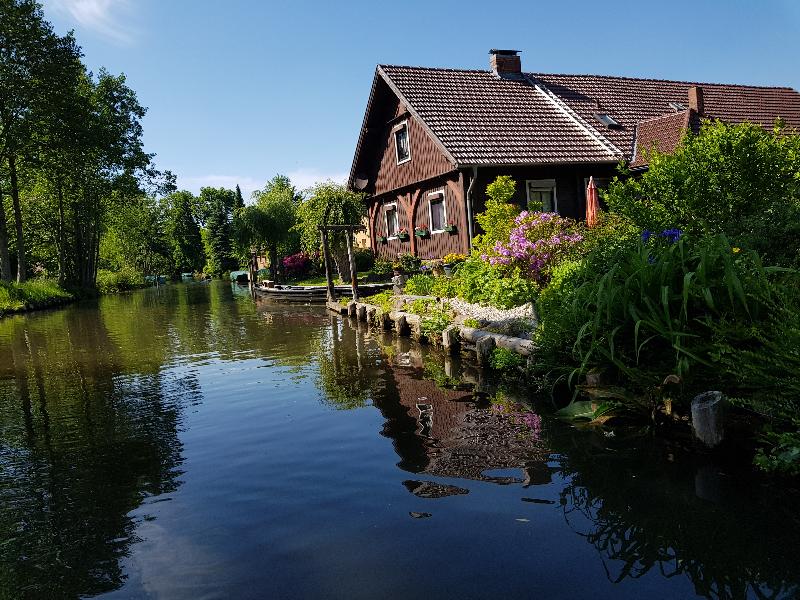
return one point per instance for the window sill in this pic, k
(402, 162)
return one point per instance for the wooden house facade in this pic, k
(433, 139)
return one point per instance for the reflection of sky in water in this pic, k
(186, 443)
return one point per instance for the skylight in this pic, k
(607, 120)
(677, 106)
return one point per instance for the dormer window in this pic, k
(608, 120)
(402, 147)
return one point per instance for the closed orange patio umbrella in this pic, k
(592, 203)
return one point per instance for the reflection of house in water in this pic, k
(443, 432)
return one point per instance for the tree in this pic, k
(330, 203)
(268, 224)
(183, 233)
(37, 69)
(217, 204)
(136, 238)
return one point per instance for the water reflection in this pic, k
(646, 507)
(188, 441)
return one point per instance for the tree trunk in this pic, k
(62, 269)
(342, 260)
(22, 266)
(5, 259)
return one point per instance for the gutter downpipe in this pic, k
(469, 206)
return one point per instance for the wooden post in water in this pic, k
(326, 259)
(352, 258)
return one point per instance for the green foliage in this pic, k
(697, 309)
(111, 282)
(482, 283)
(382, 267)
(782, 454)
(383, 300)
(470, 322)
(420, 285)
(330, 201)
(365, 259)
(422, 306)
(739, 180)
(218, 234)
(434, 322)
(503, 359)
(35, 293)
(183, 233)
(136, 238)
(407, 263)
(497, 220)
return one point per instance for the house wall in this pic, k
(570, 186)
(414, 211)
(427, 159)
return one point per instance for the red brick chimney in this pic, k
(696, 99)
(505, 63)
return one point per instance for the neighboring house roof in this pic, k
(480, 118)
(630, 101)
(662, 134)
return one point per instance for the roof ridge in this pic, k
(657, 80)
(445, 69)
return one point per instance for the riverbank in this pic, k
(31, 295)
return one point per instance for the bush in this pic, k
(297, 265)
(503, 359)
(364, 258)
(537, 242)
(498, 218)
(420, 285)
(739, 180)
(110, 282)
(480, 282)
(382, 267)
(407, 263)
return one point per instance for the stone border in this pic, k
(455, 338)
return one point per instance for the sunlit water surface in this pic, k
(188, 442)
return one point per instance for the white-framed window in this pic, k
(542, 195)
(390, 212)
(437, 211)
(402, 145)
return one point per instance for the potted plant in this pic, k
(422, 232)
(402, 235)
(450, 227)
(451, 260)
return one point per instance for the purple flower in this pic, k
(646, 235)
(671, 235)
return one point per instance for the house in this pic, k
(433, 139)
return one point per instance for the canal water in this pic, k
(188, 442)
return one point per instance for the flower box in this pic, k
(382, 239)
(421, 232)
(403, 236)
(450, 228)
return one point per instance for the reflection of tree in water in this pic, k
(643, 513)
(83, 444)
(347, 366)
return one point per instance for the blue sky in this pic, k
(241, 90)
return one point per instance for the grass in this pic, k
(37, 293)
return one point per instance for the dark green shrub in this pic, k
(739, 180)
(109, 282)
(364, 258)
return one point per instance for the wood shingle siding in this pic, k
(427, 160)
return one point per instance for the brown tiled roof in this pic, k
(662, 134)
(481, 119)
(630, 101)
